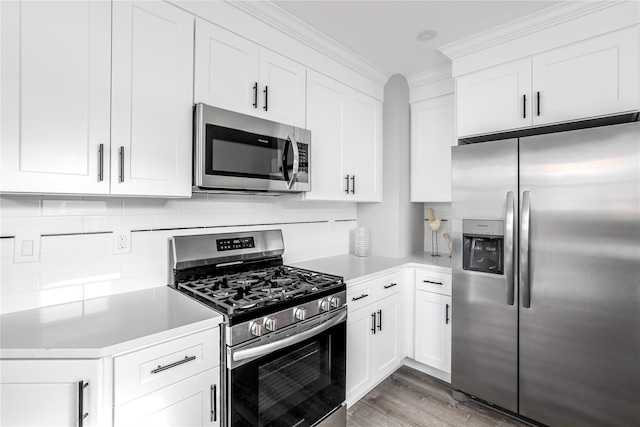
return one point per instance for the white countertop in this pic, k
(104, 326)
(354, 269)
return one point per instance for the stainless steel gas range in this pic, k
(284, 331)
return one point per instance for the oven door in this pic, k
(295, 380)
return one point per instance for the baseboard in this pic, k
(425, 369)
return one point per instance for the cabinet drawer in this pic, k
(432, 281)
(360, 295)
(387, 285)
(143, 371)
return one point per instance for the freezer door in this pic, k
(580, 334)
(485, 326)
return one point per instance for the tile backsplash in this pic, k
(441, 211)
(76, 257)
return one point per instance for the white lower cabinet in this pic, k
(433, 330)
(175, 383)
(432, 340)
(375, 345)
(192, 402)
(51, 393)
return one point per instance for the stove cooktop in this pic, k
(255, 291)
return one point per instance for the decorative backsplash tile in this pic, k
(77, 260)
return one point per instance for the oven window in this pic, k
(295, 386)
(232, 152)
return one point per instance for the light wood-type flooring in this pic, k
(411, 398)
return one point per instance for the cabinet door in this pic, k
(192, 402)
(326, 115)
(432, 136)
(363, 148)
(282, 96)
(360, 368)
(47, 392)
(591, 78)
(55, 96)
(152, 99)
(388, 342)
(226, 69)
(495, 99)
(433, 330)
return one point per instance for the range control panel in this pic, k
(238, 243)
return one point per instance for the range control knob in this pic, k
(271, 323)
(335, 302)
(325, 304)
(300, 313)
(255, 328)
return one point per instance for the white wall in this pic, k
(395, 223)
(76, 260)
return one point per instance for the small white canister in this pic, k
(361, 241)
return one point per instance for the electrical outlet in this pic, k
(121, 241)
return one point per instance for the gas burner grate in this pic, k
(245, 291)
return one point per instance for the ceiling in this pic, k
(384, 32)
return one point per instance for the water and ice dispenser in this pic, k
(482, 245)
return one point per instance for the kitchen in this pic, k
(110, 239)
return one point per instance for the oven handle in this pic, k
(250, 353)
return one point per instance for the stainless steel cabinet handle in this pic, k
(360, 297)
(433, 283)
(81, 414)
(379, 320)
(266, 98)
(173, 365)
(390, 285)
(121, 164)
(446, 314)
(255, 95)
(525, 257)
(100, 162)
(373, 323)
(214, 403)
(346, 178)
(509, 248)
(353, 184)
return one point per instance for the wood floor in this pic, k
(411, 398)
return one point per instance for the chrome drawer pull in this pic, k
(433, 283)
(391, 285)
(360, 297)
(173, 365)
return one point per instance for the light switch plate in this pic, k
(26, 248)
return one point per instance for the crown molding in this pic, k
(285, 22)
(430, 76)
(538, 21)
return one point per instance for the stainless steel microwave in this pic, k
(234, 151)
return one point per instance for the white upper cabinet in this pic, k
(432, 136)
(346, 142)
(497, 98)
(151, 99)
(81, 115)
(55, 96)
(592, 78)
(236, 74)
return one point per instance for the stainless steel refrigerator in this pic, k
(546, 275)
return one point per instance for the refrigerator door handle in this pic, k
(509, 248)
(525, 279)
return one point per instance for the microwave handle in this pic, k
(290, 180)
